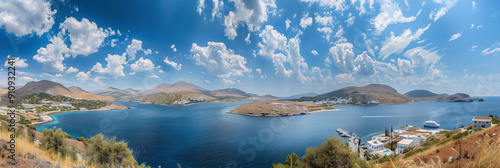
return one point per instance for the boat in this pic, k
(431, 123)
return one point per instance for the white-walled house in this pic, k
(418, 137)
(374, 145)
(481, 122)
(405, 143)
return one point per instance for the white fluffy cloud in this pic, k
(455, 36)
(350, 20)
(23, 17)
(142, 65)
(85, 36)
(114, 65)
(113, 42)
(338, 5)
(252, 13)
(274, 46)
(405, 67)
(438, 13)
(82, 76)
(132, 49)
(397, 44)
(219, 60)
(247, 39)
(314, 52)
(53, 54)
(389, 14)
(18, 62)
(305, 21)
(325, 25)
(71, 70)
(343, 57)
(173, 48)
(173, 64)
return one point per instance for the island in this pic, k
(279, 108)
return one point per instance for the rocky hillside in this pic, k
(54, 88)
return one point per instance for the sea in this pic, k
(205, 135)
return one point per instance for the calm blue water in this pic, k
(203, 135)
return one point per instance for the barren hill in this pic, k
(55, 88)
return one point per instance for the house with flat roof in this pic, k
(374, 145)
(418, 137)
(481, 122)
(404, 144)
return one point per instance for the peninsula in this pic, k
(279, 108)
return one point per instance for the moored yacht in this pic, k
(431, 123)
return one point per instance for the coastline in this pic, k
(106, 108)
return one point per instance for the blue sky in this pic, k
(260, 46)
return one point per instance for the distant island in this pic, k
(279, 108)
(373, 94)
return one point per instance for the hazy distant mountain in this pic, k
(310, 94)
(77, 89)
(158, 89)
(369, 94)
(229, 92)
(55, 88)
(420, 93)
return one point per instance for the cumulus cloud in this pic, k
(71, 70)
(24, 17)
(251, 13)
(350, 20)
(207, 81)
(397, 44)
(305, 21)
(201, 6)
(132, 49)
(389, 14)
(113, 42)
(455, 36)
(114, 65)
(147, 52)
(274, 46)
(314, 52)
(142, 65)
(18, 62)
(325, 25)
(173, 48)
(343, 57)
(405, 67)
(438, 13)
(58, 75)
(53, 54)
(82, 76)
(173, 64)
(259, 71)
(219, 60)
(85, 36)
(338, 5)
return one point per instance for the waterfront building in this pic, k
(481, 122)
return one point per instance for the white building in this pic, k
(481, 122)
(416, 136)
(374, 145)
(405, 143)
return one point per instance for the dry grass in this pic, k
(23, 146)
(487, 153)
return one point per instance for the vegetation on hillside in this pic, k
(170, 98)
(36, 98)
(332, 153)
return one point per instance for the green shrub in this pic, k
(407, 149)
(31, 126)
(106, 154)
(54, 140)
(430, 142)
(332, 153)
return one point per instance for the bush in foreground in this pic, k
(332, 153)
(108, 154)
(54, 140)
